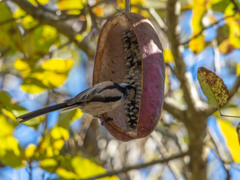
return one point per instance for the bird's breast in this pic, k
(97, 108)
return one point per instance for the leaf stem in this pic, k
(139, 166)
(227, 115)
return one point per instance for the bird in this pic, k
(98, 99)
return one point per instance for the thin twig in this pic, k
(227, 115)
(175, 111)
(180, 69)
(11, 20)
(49, 17)
(30, 170)
(203, 29)
(162, 149)
(27, 31)
(138, 166)
(50, 53)
(216, 151)
(236, 7)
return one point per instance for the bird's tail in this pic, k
(42, 111)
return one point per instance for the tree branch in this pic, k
(174, 111)
(138, 166)
(236, 7)
(172, 19)
(51, 18)
(203, 29)
(11, 20)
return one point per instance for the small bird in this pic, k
(96, 100)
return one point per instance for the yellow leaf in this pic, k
(12, 144)
(58, 65)
(48, 162)
(43, 2)
(231, 139)
(197, 44)
(40, 1)
(6, 129)
(50, 79)
(66, 174)
(230, 10)
(168, 56)
(49, 151)
(77, 115)
(30, 150)
(58, 144)
(48, 32)
(98, 11)
(83, 167)
(52, 73)
(198, 12)
(59, 132)
(238, 69)
(234, 34)
(32, 88)
(71, 5)
(22, 66)
(10, 152)
(8, 113)
(225, 47)
(80, 163)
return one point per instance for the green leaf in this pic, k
(68, 117)
(8, 108)
(10, 35)
(213, 87)
(220, 6)
(11, 153)
(37, 42)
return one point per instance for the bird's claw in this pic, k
(106, 120)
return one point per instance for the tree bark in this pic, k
(198, 164)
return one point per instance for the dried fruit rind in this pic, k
(213, 87)
(129, 51)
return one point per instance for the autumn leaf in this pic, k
(168, 56)
(197, 44)
(231, 138)
(213, 87)
(76, 167)
(50, 74)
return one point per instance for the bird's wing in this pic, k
(84, 96)
(101, 92)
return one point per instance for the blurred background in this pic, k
(47, 50)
